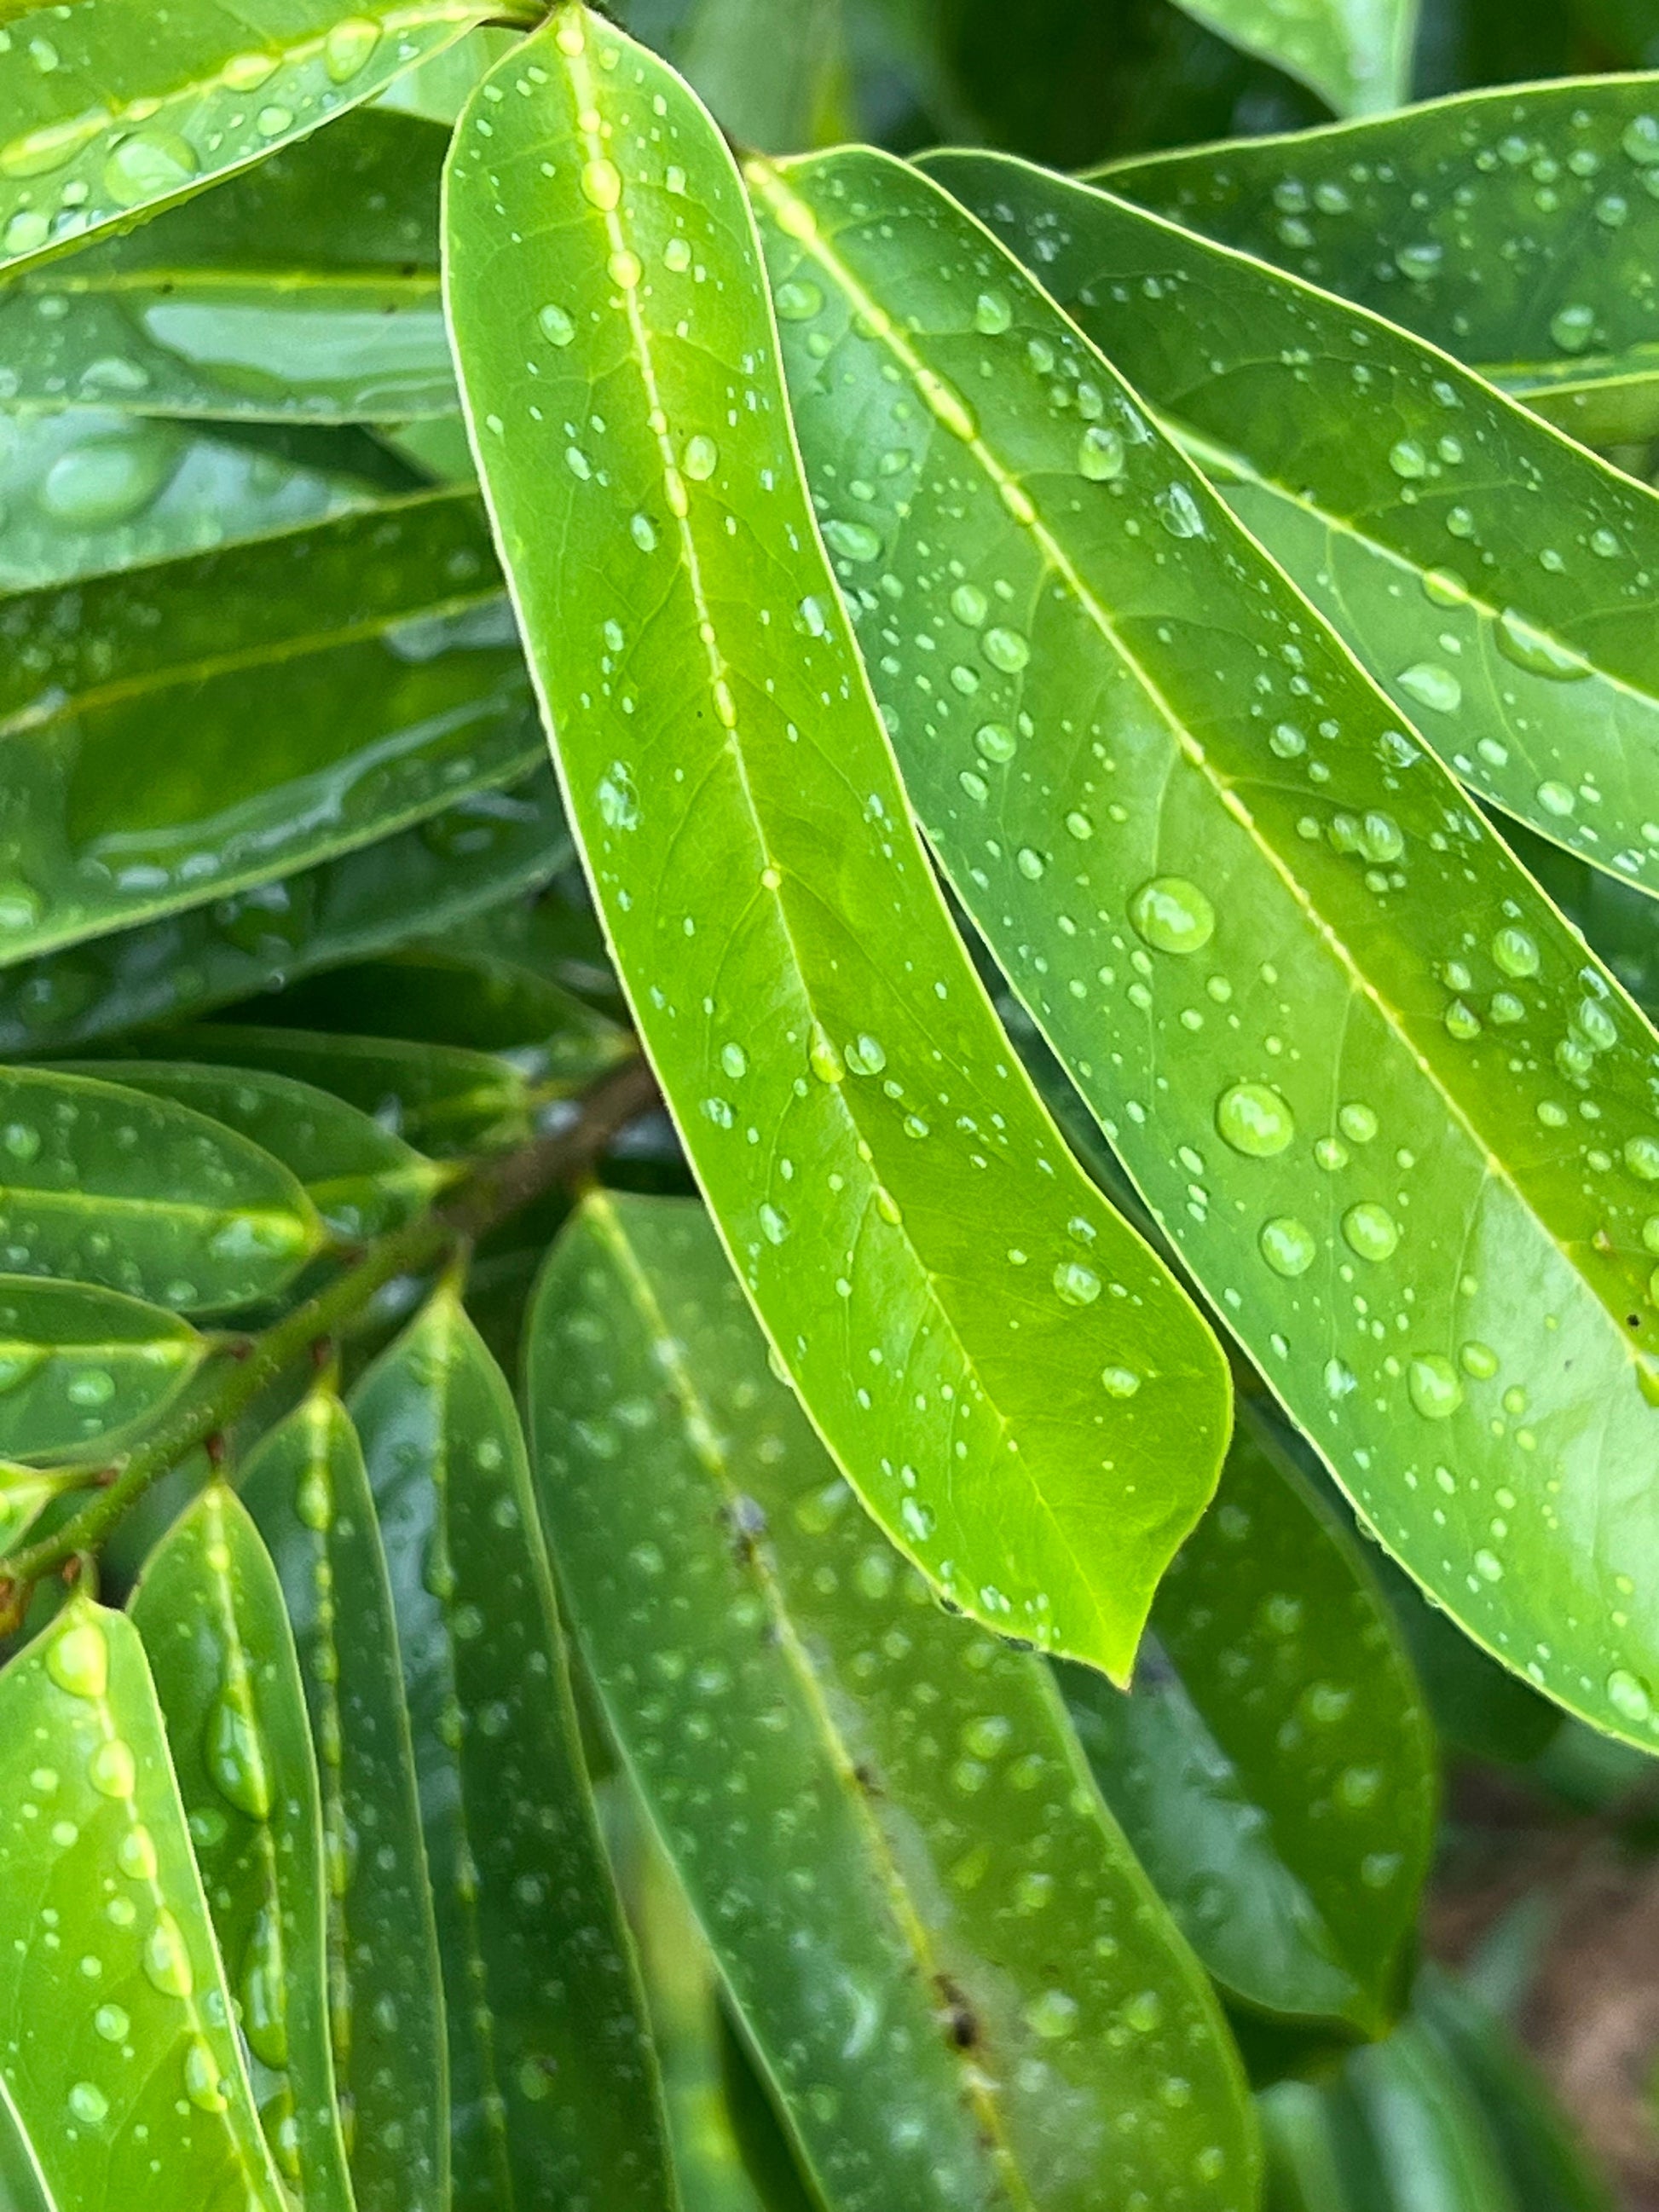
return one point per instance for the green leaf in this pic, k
(209, 1608)
(1435, 218)
(361, 1178)
(25, 1493)
(440, 1098)
(1356, 54)
(857, 1121)
(103, 2067)
(554, 2092)
(1433, 542)
(87, 490)
(108, 119)
(79, 1367)
(1274, 947)
(306, 289)
(177, 732)
(106, 1186)
(307, 1491)
(22, 2185)
(438, 89)
(1274, 1768)
(1425, 2142)
(773, 72)
(456, 863)
(951, 1967)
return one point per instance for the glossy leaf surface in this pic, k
(950, 1965)
(361, 1178)
(95, 1863)
(308, 1492)
(1273, 1767)
(107, 1185)
(209, 1608)
(1495, 579)
(1394, 1119)
(109, 115)
(456, 863)
(180, 731)
(1435, 219)
(78, 1366)
(554, 2090)
(1356, 54)
(856, 1121)
(25, 1493)
(305, 289)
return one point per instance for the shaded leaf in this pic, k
(108, 118)
(555, 2093)
(1275, 948)
(456, 863)
(106, 1186)
(1424, 2140)
(22, 2185)
(307, 1491)
(775, 73)
(1435, 219)
(1356, 54)
(304, 289)
(1273, 1768)
(79, 1366)
(855, 1121)
(180, 731)
(25, 1493)
(1432, 541)
(361, 1178)
(951, 1966)
(209, 1608)
(95, 1863)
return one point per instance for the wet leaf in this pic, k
(361, 1178)
(177, 733)
(950, 1965)
(306, 1489)
(25, 1493)
(1356, 54)
(856, 1120)
(456, 863)
(554, 2088)
(22, 2185)
(106, 1186)
(440, 1098)
(1435, 218)
(1365, 1078)
(209, 1608)
(102, 2065)
(305, 289)
(1494, 578)
(1274, 1768)
(106, 119)
(80, 1366)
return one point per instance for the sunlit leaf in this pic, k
(209, 1608)
(1524, 651)
(107, 115)
(950, 1962)
(106, 1186)
(306, 289)
(307, 1491)
(78, 1366)
(456, 863)
(1356, 54)
(1366, 1079)
(554, 2090)
(1273, 1768)
(943, 1284)
(1435, 219)
(177, 732)
(104, 2063)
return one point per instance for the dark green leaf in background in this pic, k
(79, 1366)
(1356, 54)
(308, 1492)
(115, 2022)
(1021, 1394)
(555, 2093)
(1398, 1123)
(954, 1973)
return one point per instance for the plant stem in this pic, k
(234, 1378)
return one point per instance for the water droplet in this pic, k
(1478, 1359)
(677, 255)
(625, 268)
(1432, 686)
(1434, 1389)
(619, 804)
(234, 1750)
(701, 458)
(110, 1770)
(735, 1060)
(995, 742)
(1077, 1284)
(1052, 2015)
(1172, 915)
(1462, 1021)
(148, 167)
(1515, 952)
(272, 121)
(1254, 1120)
(558, 325)
(1629, 1697)
(798, 301)
(1419, 261)
(1005, 649)
(854, 541)
(866, 1055)
(202, 2079)
(1573, 326)
(1369, 1229)
(970, 605)
(1555, 798)
(264, 1989)
(1120, 1382)
(643, 533)
(93, 1386)
(247, 72)
(88, 2104)
(1641, 140)
(167, 1962)
(992, 314)
(821, 1057)
(1100, 453)
(602, 185)
(1287, 1246)
(1407, 459)
(136, 1854)
(112, 2023)
(348, 47)
(78, 1660)
(1526, 646)
(1489, 1566)
(1179, 512)
(775, 1224)
(1642, 1158)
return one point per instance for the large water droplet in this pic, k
(1100, 453)
(234, 1750)
(1432, 686)
(1172, 915)
(1254, 1120)
(1052, 2014)
(1288, 1246)
(110, 1770)
(348, 45)
(558, 325)
(1077, 1284)
(798, 301)
(854, 541)
(148, 167)
(1370, 1231)
(167, 1962)
(1005, 649)
(1179, 512)
(78, 1660)
(1629, 1696)
(1434, 1389)
(264, 1990)
(601, 185)
(992, 314)
(701, 458)
(88, 2104)
(1533, 649)
(1515, 952)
